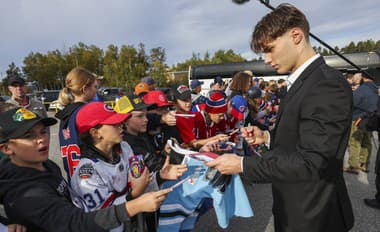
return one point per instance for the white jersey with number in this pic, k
(100, 184)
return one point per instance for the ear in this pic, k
(297, 35)
(4, 148)
(95, 134)
(84, 88)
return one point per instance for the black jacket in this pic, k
(65, 114)
(305, 162)
(41, 201)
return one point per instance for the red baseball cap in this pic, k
(97, 113)
(156, 97)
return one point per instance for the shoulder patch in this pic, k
(86, 171)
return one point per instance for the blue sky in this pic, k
(180, 26)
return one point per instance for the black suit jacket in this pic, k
(305, 161)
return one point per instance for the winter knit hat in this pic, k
(216, 103)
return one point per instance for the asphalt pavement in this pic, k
(359, 186)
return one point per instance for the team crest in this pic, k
(108, 108)
(23, 114)
(137, 100)
(182, 88)
(161, 98)
(86, 171)
(242, 108)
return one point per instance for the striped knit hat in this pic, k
(216, 103)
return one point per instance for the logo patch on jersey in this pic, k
(121, 167)
(66, 134)
(86, 171)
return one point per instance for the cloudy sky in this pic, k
(180, 26)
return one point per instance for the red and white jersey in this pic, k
(185, 126)
(202, 130)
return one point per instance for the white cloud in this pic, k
(181, 27)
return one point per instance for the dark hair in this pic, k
(87, 138)
(276, 23)
(280, 81)
(241, 82)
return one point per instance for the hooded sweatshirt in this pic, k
(40, 200)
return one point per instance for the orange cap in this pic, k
(141, 87)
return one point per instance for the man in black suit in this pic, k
(307, 145)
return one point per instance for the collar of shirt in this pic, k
(293, 76)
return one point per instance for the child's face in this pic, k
(216, 118)
(137, 123)
(31, 149)
(112, 134)
(183, 106)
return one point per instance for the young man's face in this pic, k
(31, 149)
(137, 123)
(281, 54)
(17, 90)
(183, 106)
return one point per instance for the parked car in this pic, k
(55, 106)
(47, 97)
(109, 93)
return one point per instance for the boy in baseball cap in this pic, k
(33, 187)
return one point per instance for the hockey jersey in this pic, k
(100, 184)
(181, 203)
(68, 137)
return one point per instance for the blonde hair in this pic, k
(76, 79)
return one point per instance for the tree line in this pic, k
(124, 66)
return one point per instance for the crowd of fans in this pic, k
(116, 159)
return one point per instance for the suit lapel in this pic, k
(295, 87)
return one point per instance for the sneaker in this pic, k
(351, 170)
(373, 203)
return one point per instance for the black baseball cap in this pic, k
(182, 92)
(15, 79)
(16, 122)
(138, 103)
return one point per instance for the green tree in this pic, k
(222, 56)
(110, 68)
(157, 69)
(13, 71)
